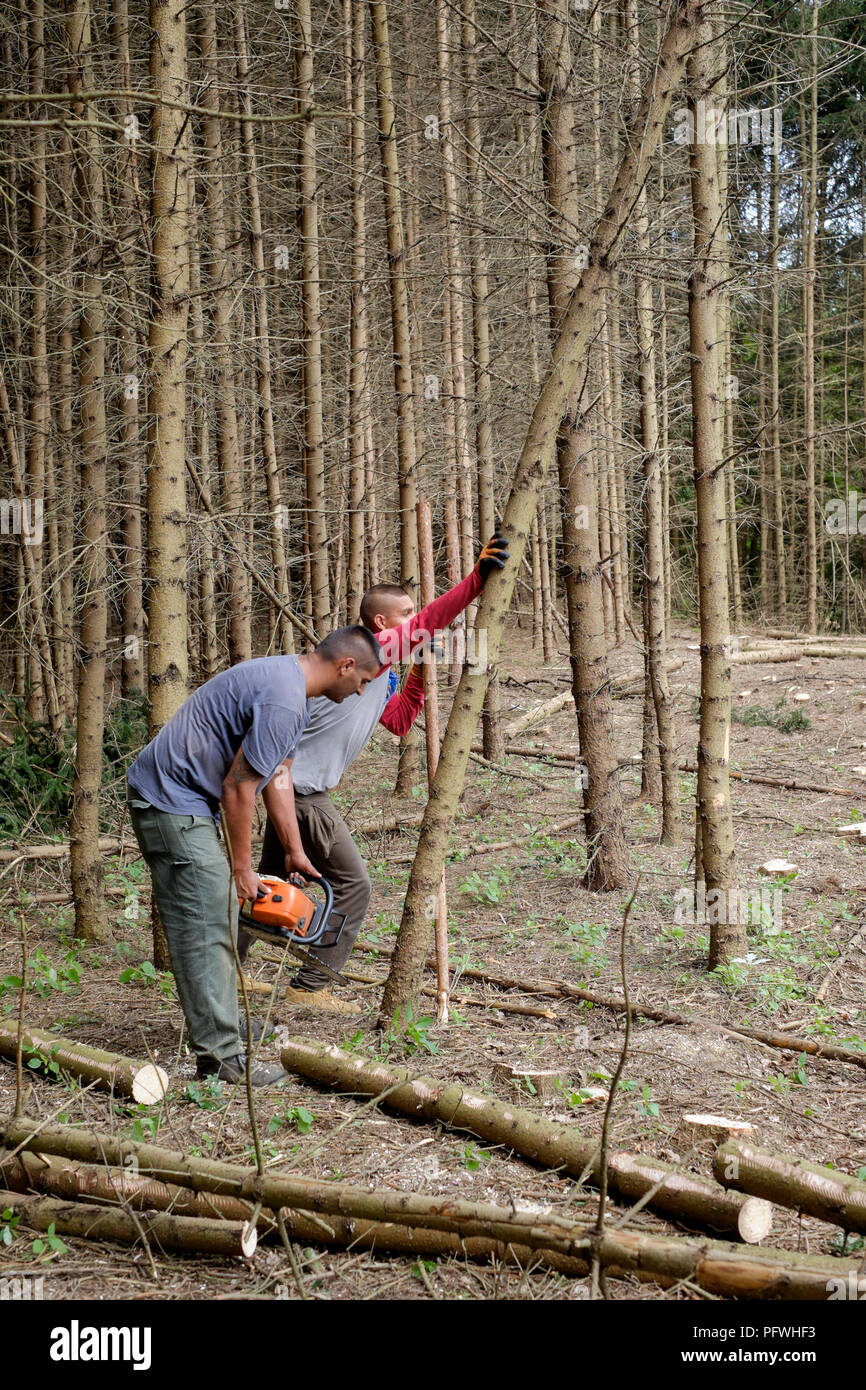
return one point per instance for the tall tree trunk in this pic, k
(217, 276)
(85, 857)
(492, 740)
(781, 590)
(456, 290)
(264, 373)
(707, 363)
(577, 455)
(809, 278)
(39, 413)
(403, 389)
(311, 317)
(653, 537)
(132, 601)
(166, 443)
(354, 17)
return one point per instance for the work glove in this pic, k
(493, 556)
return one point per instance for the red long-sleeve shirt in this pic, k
(398, 643)
(403, 708)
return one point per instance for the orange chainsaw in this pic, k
(285, 915)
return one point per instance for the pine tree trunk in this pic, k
(809, 279)
(166, 444)
(403, 388)
(314, 423)
(85, 858)
(707, 361)
(217, 276)
(132, 670)
(781, 586)
(607, 858)
(354, 19)
(657, 695)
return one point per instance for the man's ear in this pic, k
(380, 622)
(345, 664)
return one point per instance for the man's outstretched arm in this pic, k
(397, 643)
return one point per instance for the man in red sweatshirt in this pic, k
(330, 743)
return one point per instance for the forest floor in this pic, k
(523, 912)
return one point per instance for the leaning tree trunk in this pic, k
(715, 818)
(568, 353)
(85, 859)
(577, 460)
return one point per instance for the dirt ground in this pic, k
(521, 911)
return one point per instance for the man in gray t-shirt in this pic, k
(225, 744)
(329, 744)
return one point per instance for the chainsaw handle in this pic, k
(326, 888)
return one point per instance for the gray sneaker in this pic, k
(233, 1069)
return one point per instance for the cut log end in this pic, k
(718, 1127)
(778, 868)
(249, 1240)
(755, 1220)
(149, 1085)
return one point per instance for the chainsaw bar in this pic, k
(315, 963)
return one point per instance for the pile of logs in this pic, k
(82, 1184)
(91, 1185)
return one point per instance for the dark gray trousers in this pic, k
(330, 848)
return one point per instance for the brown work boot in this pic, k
(320, 999)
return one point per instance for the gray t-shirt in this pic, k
(261, 704)
(335, 735)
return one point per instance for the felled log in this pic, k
(512, 1225)
(451, 1225)
(544, 1141)
(731, 1030)
(108, 844)
(496, 845)
(167, 1232)
(554, 989)
(60, 1177)
(532, 716)
(773, 654)
(143, 1081)
(787, 784)
(793, 1182)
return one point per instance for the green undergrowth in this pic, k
(37, 769)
